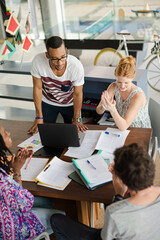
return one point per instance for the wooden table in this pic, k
(74, 199)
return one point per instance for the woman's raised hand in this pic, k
(19, 159)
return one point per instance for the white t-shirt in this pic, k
(58, 91)
(127, 221)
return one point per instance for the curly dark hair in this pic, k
(54, 42)
(4, 163)
(134, 167)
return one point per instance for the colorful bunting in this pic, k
(7, 50)
(27, 44)
(27, 25)
(8, 11)
(18, 37)
(19, 14)
(13, 25)
(13, 42)
(5, 23)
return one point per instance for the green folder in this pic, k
(74, 176)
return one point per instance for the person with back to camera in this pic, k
(58, 80)
(19, 218)
(133, 218)
(130, 107)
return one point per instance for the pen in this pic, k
(46, 167)
(91, 164)
(115, 134)
(28, 162)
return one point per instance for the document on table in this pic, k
(111, 139)
(93, 170)
(33, 141)
(34, 167)
(55, 174)
(87, 147)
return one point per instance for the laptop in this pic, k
(56, 136)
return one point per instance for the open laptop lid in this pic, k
(59, 135)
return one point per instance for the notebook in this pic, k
(56, 136)
(93, 170)
(55, 174)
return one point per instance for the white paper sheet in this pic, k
(55, 175)
(34, 142)
(87, 147)
(35, 166)
(109, 142)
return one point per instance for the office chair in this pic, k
(154, 113)
(154, 149)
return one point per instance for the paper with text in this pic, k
(109, 142)
(35, 166)
(94, 172)
(33, 141)
(55, 174)
(87, 147)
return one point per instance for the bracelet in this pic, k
(38, 117)
(117, 197)
(76, 119)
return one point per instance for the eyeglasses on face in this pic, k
(56, 60)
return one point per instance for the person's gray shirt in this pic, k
(126, 221)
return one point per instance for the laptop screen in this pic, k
(59, 135)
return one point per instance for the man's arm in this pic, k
(119, 187)
(77, 105)
(37, 97)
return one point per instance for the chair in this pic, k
(154, 113)
(43, 235)
(154, 149)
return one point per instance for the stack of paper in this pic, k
(87, 147)
(93, 170)
(55, 174)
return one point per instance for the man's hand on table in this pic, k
(34, 129)
(81, 127)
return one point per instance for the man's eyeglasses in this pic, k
(56, 60)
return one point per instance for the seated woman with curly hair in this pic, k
(18, 219)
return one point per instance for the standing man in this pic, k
(58, 80)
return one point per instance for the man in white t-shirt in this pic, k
(58, 80)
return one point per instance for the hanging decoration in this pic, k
(7, 50)
(13, 25)
(8, 11)
(13, 42)
(19, 14)
(18, 37)
(27, 25)
(27, 44)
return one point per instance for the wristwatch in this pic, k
(79, 119)
(117, 197)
